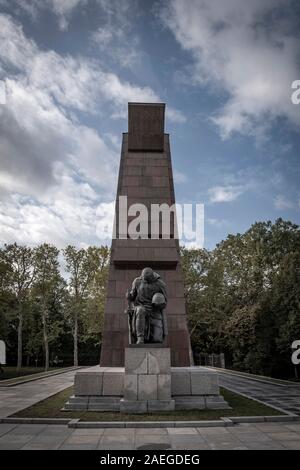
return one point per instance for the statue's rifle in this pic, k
(130, 312)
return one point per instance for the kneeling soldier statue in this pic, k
(146, 303)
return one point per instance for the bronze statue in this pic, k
(146, 303)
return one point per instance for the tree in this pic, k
(205, 294)
(85, 267)
(6, 299)
(20, 276)
(47, 291)
(93, 314)
(243, 296)
(284, 306)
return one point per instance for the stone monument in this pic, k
(145, 177)
(146, 362)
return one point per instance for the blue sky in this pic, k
(224, 69)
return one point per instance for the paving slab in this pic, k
(283, 396)
(19, 397)
(5, 428)
(186, 431)
(292, 445)
(198, 446)
(293, 427)
(239, 437)
(154, 431)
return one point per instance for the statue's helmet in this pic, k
(159, 300)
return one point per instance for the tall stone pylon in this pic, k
(145, 177)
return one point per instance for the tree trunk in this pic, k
(75, 337)
(46, 345)
(20, 348)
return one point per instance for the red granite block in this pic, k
(123, 322)
(125, 253)
(115, 305)
(121, 288)
(111, 288)
(117, 274)
(146, 181)
(157, 192)
(118, 357)
(147, 243)
(136, 162)
(146, 254)
(165, 253)
(176, 306)
(175, 289)
(176, 322)
(152, 170)
(132, 170)
(131, 274)
(131, 181)
(117, 339)
(112, 322)
(179, 338)
(173, 275)
(180, 357)
(160, 181)
(106, 359)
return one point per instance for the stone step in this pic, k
(103, 400)
(75, 406)
(93, 404)
(213, 402)
(104, 407)
(189, 403)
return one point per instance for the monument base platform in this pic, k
(114, 404)
(103, 389)
(146, 406)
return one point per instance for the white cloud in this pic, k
(247, 50)
(55, 170)
(63, 9)
(216, 222)
(224, 193)
(115, 37)
(179, 177)
(175, 115)
(105, 220)
(75, 83)
(113, 11)
(36, 134)
(282, 203)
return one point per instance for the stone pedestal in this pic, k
(147, 384)
(147, 380)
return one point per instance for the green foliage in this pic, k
(87, 269)
(243, 298)
(38, 307)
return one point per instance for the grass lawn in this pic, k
(11, 372)
(51, 408)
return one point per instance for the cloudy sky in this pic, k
(224, 69)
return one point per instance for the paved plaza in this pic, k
(241, 436)
(284, 396)
(18, 397)
(265, 435)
